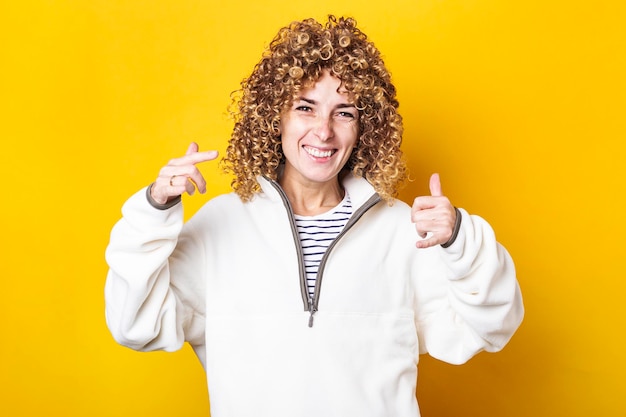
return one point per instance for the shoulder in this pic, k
(395, 209)
(230, 205)
(389, 219)
(221, 203)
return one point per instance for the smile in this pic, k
(318, 153)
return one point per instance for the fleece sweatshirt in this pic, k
(231, 282)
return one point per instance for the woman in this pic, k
(309, 291)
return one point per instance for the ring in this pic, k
(172, 179)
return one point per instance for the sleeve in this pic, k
(467, 295)
(154, 291)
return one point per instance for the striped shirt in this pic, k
(317, 233)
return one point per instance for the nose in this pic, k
(323, 128)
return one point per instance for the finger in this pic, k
(435, 185)
(426, 227)
(194, 158)
(210, 155)
(196, 178)
(182, 175)
(426, 243)
(190, 188)
(422, 203)
(186, 171)
(193, 148)
(205, 156)
(186, 180)
(167, 187)
(179, 184)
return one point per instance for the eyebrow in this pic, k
(339, 106)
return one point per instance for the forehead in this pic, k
(326, 85)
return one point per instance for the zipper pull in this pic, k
(312, 311)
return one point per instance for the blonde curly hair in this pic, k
(294, 61)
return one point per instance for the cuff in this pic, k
(167, 205)
(455, 231)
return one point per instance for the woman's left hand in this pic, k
(434, 216)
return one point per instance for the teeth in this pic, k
(317, 153)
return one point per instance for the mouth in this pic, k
(318, 153)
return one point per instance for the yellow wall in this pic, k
(518, 104)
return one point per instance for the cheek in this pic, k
(289, 138)
(292, 128)
(354, 136)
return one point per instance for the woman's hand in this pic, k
(181, 175)
(434, 216)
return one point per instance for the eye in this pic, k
(346, 114)
(304, 108)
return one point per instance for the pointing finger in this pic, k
(435, 185)
(193, 157)
(194, 149)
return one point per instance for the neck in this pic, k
(310, 199)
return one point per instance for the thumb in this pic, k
(193, 147)
(435, 186)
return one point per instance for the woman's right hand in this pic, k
(181, 175)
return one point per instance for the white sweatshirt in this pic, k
(230, 282)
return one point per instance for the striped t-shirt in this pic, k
(317, 233)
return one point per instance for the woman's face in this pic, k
(319, 132)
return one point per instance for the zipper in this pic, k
(308, 303)
(311, 303)
(371, 202)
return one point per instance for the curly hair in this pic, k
(294, 61)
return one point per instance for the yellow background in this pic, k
(518, 104)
